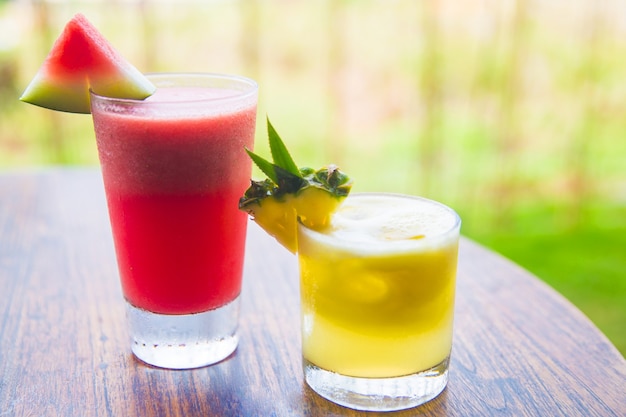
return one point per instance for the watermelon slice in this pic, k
(80, 59)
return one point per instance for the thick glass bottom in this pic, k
(184, 341)
(377, 394)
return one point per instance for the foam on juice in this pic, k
(182, 103)
(406, 223)
(178, 94)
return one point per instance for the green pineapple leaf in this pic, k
(280, 154)
(329, 178)
(264, 165)
(285, 181)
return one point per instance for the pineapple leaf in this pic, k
(329, 178)
(280, 154)
(285, 180)
(257, 191)
(264, 165)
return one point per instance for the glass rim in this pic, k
(399, 246)
(251, 90)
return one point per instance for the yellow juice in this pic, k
(377, 286)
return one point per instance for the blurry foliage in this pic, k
(512, 112)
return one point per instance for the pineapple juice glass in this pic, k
(377, 299)
(174, 166)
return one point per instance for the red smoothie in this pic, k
(173, 175)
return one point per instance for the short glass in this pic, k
(174, 166)
(377, 299)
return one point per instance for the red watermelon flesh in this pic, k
(80, 59)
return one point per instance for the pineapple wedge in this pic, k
(290, 193)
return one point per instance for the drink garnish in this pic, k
(82, 59)
(289, 193)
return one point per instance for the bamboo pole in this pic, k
(250, 37)
(335, 128)
(580, 149)
(508, 127)
(149, 32)
(430, 139)
(55, 134)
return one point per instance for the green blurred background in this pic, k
(512, 112)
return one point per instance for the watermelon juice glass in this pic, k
(174, 166)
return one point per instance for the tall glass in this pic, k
(174, 166)
(377, 293)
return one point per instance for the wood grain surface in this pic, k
(520, 349)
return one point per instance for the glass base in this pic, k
(184, 341)
(377, 394)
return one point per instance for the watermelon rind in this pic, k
(82, 59)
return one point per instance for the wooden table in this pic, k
(520, 349)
